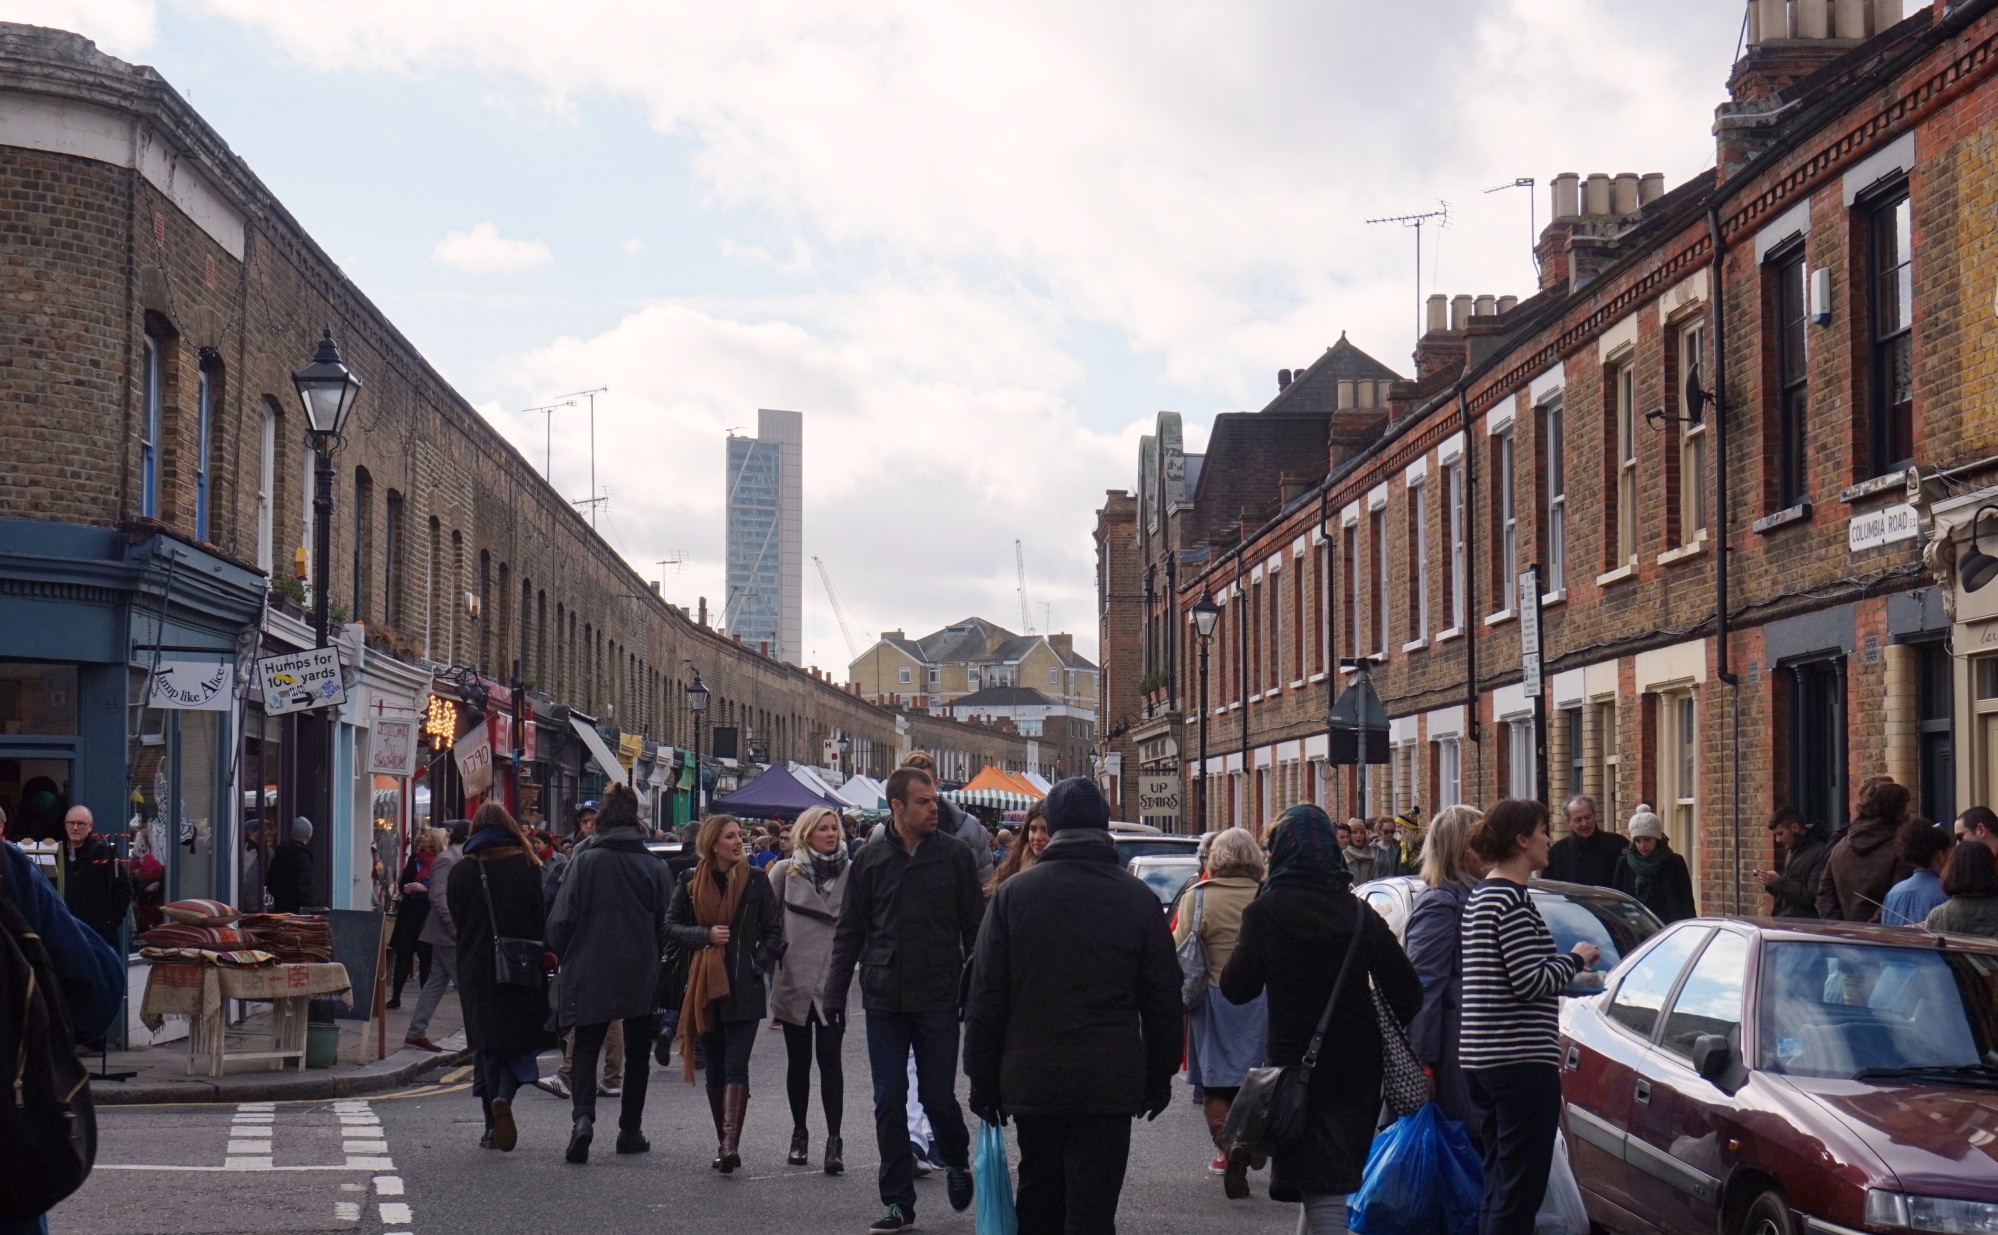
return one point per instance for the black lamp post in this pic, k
(1205, 614)
(326, 390)
(845, 745)
(697, 699)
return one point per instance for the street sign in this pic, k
(474, 753)
(392, 747)
(300, 681)
(1529, 628)
(1158, 795)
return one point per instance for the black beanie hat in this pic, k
(1076, 803)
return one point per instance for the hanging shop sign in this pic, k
(474, 753)
(440, 722)
(629, 747)
(529, 747)
(1158, 796)
(392, 747)
(300, 681)
(193, 686)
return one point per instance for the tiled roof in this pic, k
(1003, 697)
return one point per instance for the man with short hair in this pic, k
(1588, 854)
(1794, 890)
(1979, 823)
(1074, 1022)
(955, 820)
(910, 920)
(95, 884)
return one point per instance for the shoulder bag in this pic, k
(1404, 1087)
(516, 962)
(1269, 1112)
(1193, 960)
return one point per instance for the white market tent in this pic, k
(865, 792)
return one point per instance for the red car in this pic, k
(1766, 1077)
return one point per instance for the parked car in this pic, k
(1166, 875)
(1139, 840)
(1614, 922)
(1778, 1077)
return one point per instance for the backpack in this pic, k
(48, 1127)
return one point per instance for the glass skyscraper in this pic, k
(766, 534)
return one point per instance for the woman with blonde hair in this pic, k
(725, 916)
(810, 887)
(1435, 947)
(1224, 1040)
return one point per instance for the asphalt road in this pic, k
(410, 1162)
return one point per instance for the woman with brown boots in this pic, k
(725, 916)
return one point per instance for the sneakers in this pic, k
(923, 1164)
(896, 1219)
(1219, 1166)
(553, 1084)
(957, 1186)
(609, 1090)
(422, 1044)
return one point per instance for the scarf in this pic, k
(707, 969)
(1304, 849)
(823, 867)
(1644, 871)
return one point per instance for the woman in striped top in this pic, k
(1509, 1045)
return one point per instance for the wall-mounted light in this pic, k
(1821, 296)
(1976, 567)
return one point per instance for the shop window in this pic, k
(37, 699)
(1816, 740)
(1792, 382)
(1935, 732)
(1890, 313)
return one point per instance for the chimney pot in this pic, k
(1849, 19)
(1382, 391)
(1366, 392)
(1460, 312)
(1651, 188)
(1596, 195)
(1486, 306)
(1813, 20)
(1567, 195)
(1346, 398)
(1886, 13)
(1283, 380)
(1623, 194)
(1507, 304)
(1438, 312)
(1772, 20)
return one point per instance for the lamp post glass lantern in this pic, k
(327, 389)
(697, 700)
(1205, 614)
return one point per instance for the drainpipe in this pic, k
(1472, 619)
(1242, 676)
(1722, 671)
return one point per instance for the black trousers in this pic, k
(1071, 1172)
(419, 954)
(798, 1076)
(638, 1031)
(1522, 1112)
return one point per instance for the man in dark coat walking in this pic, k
(609, 929)
(1073, 1022)
(1587, 854)
(910, 921)
(290, 877)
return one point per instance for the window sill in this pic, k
(1800, 513)
(1683, 552)
(1415, 645)
(1317, 677)
(1298, 684)
(1233, 707)
(1896, 481)
(1444, 636)
(1554, 598)
(1500, 618)
(1619, 575)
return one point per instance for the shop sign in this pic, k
(440, 722)
(501, 726)
(1158, 795)
(527, 727)
(474, 753)
(629, 747)
(299, 681)
(192, 686)
(1880, 527)
(392, 747)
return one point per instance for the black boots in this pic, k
(835, 1156)
(581, 1133)
(486, 1141)
(632, 1141)
(800, 1154)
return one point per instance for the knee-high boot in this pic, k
(718, 1106)
(737, 1100)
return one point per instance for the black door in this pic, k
(1817, 741)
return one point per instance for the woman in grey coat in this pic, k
(1435, 945)
(810, 886)
(608, 928)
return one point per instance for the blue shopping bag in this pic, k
(994, 1183)
(1422, 1178)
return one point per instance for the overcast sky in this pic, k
(978, 245)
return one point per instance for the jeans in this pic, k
(798, 1078)
(445, 974)
(613, 1044)
(1523, 1110)
(1071, 1172)
(725, 1049)
(933, 1037)
(1323, 1213)
(589, 1039)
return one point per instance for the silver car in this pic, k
(1165, 874)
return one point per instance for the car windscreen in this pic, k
(1615, 925)
(1838, 1009)
(1129, 847)
(1167, 881)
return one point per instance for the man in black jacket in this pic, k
(1793, 891)
(910, 920)
(1587, 854)
(1073, 1023)
(290, 877)
(96, 886)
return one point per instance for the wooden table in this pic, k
(200, 993)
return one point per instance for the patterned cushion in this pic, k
(179, 935)
(201, 913)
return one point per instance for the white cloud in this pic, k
(482, 250)
(633, 247)
(123, 28)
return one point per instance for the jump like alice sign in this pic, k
(300, 681)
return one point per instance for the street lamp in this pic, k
(697, 699)
(845, 745)
(326, 390)
(1205, 614)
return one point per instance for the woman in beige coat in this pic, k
(1224, 1040)
(810, 885)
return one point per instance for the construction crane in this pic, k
(839, 611)
(1020, 564)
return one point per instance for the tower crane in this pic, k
(839, 611)
(1020, 564)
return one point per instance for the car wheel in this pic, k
(1767, 1214)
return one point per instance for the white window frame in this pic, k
(266, 487)
(1679, 771)
(902, 676)
(1054, 676)
(1623, 385)
(1418, 513)
(1449, 771)
(1508, 514)
(1555, 435)
(149, 430)
(1453, 480)
(1692, 437)
(1523, 770)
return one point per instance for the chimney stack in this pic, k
(1283, 380)
(704, 611)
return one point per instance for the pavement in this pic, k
(409, 1161)
(160, 1072)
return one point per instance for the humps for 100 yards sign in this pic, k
(299, 681)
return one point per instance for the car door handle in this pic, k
(1574, 1059)
(1644, 1092)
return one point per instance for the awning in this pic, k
(594, 743)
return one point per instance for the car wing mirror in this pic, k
(1713, 1058)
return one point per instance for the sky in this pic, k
(979, 245)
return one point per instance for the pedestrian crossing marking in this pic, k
(395, 1212)
(388, 1185)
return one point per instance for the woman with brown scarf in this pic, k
(725, 916)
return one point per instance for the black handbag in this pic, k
(516, 961)
(1269, 1113)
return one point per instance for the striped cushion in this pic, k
(201, 913)
(180, 935)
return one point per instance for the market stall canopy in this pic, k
(865, 792)
(777, 794)
(812, 780)
(594, 743)
(1037, 781)
(993, 787)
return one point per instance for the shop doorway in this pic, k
(34, 790)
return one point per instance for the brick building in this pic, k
(156, 535)
(1724, 428)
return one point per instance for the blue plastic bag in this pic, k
(994, 1183)
(1422, 1178)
